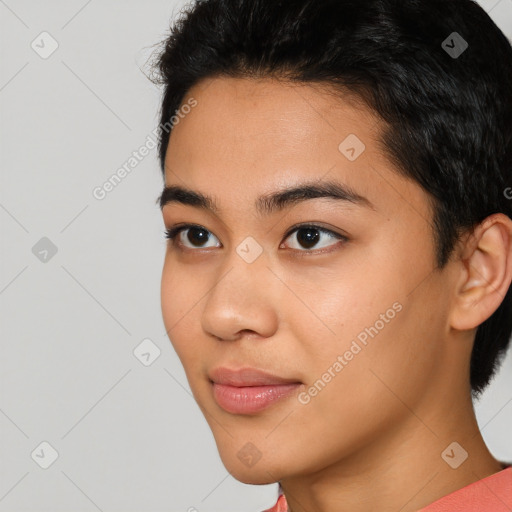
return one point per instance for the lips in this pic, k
(249, 390)
(244, 377)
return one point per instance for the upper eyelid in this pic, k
(312, 225)
(183, 227)
(288, 233)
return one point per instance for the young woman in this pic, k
(338, 205)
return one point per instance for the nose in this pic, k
(242, 301)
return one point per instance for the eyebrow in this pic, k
(271, 202)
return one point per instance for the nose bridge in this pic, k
(241, 298)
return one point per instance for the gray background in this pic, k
(129, 437)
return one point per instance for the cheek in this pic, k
(390, 351)
(170, 289)
(336, 305)
(352, 385)
(360, 322)
(179, 297)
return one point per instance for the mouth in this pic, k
(249, 390)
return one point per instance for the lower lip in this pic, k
(251, 399)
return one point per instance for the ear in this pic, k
(485, 272)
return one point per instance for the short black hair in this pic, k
(445, 98)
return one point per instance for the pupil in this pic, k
(310, 237)
(201, 235)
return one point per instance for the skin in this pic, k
(372, 439)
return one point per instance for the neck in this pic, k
(403, 470)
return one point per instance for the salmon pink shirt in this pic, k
(491, 494)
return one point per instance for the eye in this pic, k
(197, 236)
(308, 236)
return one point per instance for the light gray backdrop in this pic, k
(80, 277)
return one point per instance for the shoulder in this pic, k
(280, 506)
(490, 494)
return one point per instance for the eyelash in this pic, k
(172, 234)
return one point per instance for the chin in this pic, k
(254, 478)
(259, 474)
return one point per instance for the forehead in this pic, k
(248, 137)
(259, 112)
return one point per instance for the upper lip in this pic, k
(247, 377)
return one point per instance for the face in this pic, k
(336, 298)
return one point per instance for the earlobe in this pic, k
(486, 272)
